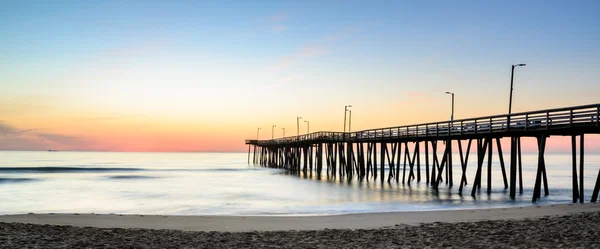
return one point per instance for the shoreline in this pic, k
(298, 223)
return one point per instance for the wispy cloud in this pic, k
(279, 28)
(12, 138)
(303, 53)
(7, 130)
(342, 34)
(276, 21)
(279, 17)
(319, 47)
(60, 139)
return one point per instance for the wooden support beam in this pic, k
(463, 162)
(319, 159)
(332, 159)
(574, 172)
(411, 176)
(449, 164)
(520, 165)
(445, 162)
(327, 159)
(481, 149)
(541, 165)
(398, 158)
(581, 157)
(427, 162)
(383, 150)
(349, 156)
(254, 156)
(441, 166)
(596, 188)
(375, 161)
(418, 152)
(501, 157)
(434, 165)
(369, 158)
(489, 166)
(305, 154)
(310, 158)
(406, 154)
(249, 154)
(342, 164)
(513, 167)
(391, 161)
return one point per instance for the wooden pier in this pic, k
(358, 154)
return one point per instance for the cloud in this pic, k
(319, 47)
(342, 34)
(60, 139)
(275, 21)
(279, 28)
(303, 53)
(7, 130)
(12, 138)
(279, 17)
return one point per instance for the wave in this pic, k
(16, 180)
(218, 169)
(62, 169)
(131, 177)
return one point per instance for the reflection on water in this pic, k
(222, 184)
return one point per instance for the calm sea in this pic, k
(224, 184)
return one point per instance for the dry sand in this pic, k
(277, 223)
(570, 226)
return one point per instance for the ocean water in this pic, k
(224, 184)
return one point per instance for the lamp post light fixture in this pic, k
(452, 116)
(350, 121)
(512, 74)
(307, 126)
(298, 125)
(345, 112)
(273, 131)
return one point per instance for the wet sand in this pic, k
(568, 226)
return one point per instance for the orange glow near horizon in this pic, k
(203, 76)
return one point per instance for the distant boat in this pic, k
(52, 150)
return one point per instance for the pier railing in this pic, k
(551, 119)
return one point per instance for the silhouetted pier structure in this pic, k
(358, 154)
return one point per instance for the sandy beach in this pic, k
(568, 225)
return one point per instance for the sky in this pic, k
(204, 75)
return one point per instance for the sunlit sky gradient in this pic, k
(202, 76)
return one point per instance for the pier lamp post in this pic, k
(350, 121)
(283, 128)
(345, 112)
(298, 125)
(307, 126)
(512, 74)
(452, 116)
(257, 133)
(273, 131)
